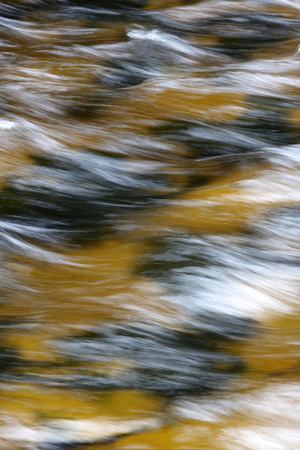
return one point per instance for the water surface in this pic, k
(149, 224)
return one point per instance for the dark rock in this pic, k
(75, 197)
(8, 358)
(65, 446)
(124, 73)
(145, 55)
(88, 107)
(111, 4)
(165, 362)
(250, 133)
(18, 10)
(206, 140)
(242, 33)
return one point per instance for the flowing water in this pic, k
(149, 224)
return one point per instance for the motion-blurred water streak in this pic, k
(149, 224)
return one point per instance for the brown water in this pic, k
(149, 225)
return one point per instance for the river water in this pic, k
(149, 225)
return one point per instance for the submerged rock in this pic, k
(111, 4)
(124, 73)
(216, 148)
(243, 32)
(76, 197)
(18, 10)
(251, 133)
(164, 362)
(148, 53)
(9, 359)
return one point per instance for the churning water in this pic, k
(149, 224)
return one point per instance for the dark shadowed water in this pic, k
(150, 225)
